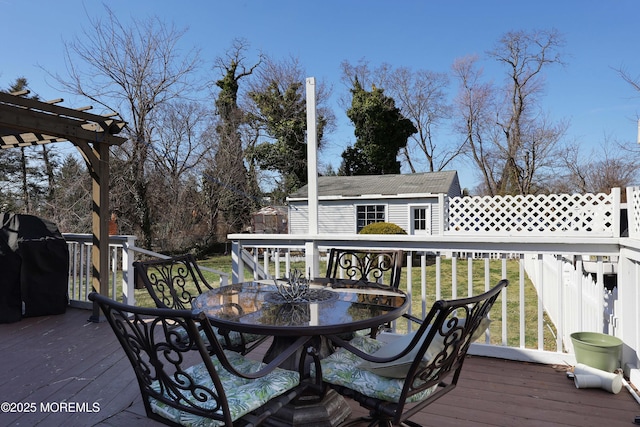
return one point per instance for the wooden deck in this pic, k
(65, 371)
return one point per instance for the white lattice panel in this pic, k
(571, 214)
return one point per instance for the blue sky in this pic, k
(600, 36)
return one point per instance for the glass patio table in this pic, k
(335, 307)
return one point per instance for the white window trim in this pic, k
(372, 203)
(429, 225)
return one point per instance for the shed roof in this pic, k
(384, 185)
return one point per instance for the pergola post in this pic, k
(100, 224)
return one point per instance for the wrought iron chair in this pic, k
(370, 265)
(383, 267)
(185, 382)
(396, 380)
(175, 282)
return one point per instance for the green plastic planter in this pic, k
(597, 350)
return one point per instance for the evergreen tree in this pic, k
(24, 174)
(381, 131)
(231, 184)
(283, 114)
(71, 210)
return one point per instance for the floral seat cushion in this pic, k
(235, 338)
(243, 395)
(343, 368)
(400, 367)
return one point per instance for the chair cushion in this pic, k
(235, 337)
(398, 368)
(243, 395)
(342, 368)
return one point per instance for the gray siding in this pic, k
(298, 217)
(436, 218)
(398, 213)
(333, 217)
(338, 216)
(455, 190)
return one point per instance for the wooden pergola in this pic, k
(28, 122)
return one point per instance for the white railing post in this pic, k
(128, 279)
(237, 265)
(541, 299)
(615, 193)
(311, 259)
(256, 261)
(632, 211)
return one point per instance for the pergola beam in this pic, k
(25, 122)
(37, 122)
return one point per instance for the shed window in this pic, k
(368, 214)
(420, 219)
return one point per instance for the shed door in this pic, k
(420, 221)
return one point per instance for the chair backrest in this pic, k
(371, 265)
(161, 357)
(450, 328)
(173, 282)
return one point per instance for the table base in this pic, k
(329, 412)
(322, 346)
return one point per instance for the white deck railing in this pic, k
(122, 254)
(472, 261)
(542, 240)
(567, 298)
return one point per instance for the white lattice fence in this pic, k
(553, 214)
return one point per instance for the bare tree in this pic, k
(474, 106)
(421, 96)
(626, 75)
(181, 139)
(132, 70)
(515, 148)
(183, 142)
(528, 139)
(604, 168)
(366, 75)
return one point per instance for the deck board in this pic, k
(52, 359)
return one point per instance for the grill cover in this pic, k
(34, 260)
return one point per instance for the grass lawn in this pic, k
(223, 263)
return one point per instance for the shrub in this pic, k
(382, 228)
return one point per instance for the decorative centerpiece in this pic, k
(295, 288)
(293, 314)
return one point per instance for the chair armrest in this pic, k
(369, 357)
(413, 318)
(268, 368)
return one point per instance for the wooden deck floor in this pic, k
(47, 362)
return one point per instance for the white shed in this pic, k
(416, 202)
